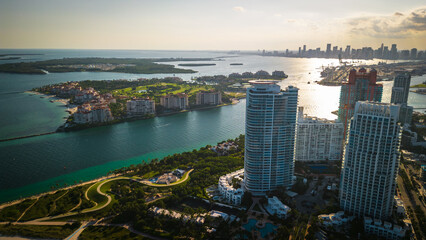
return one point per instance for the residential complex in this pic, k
(270, 136)
(400, 91)
(208, 98)
(86, 95)
(361, 86)
(140, 107)
(318, 139)
(383, 229)
(371, 161)
(175, 101)
(95, 113)
(229, 193)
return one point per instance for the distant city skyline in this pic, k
(222, 25)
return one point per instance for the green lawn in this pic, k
(160, 89)
(94, 196)
(106, 232)
(422, 85)
(33, 231)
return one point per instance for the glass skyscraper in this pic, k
(270, 137)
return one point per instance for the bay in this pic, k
(32, 165)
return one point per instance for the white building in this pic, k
(371, 161)
(140, 107)
(229, 193)
(275, 206)
(383, 229)
(334, 219)
(270, 137)
(318, 139)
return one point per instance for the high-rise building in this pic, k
(413, 53)
(401, 88)
(208, 98)
(400, 91)
(361, 86)
(270, 136)
(328, 51)
(394, 52)
(371, 161)
(318, 139)
(175, 101)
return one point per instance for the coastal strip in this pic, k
(28, 136)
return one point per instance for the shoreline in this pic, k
(66, 103)
(9, 203)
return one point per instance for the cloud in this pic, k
(239, 9)
(398, 25)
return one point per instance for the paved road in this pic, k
(76, 233)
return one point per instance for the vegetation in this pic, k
(421, 85)
(126, 65)
(13, 212)
(42, 207)
(34, 231)
(110, 232)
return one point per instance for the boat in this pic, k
(309, 82)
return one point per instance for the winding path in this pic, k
(146, 182)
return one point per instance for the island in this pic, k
(98, 103)
(124, 65)
(196, 64)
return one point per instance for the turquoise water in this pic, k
(269, 227)
(32, 165)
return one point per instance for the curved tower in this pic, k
(270, 136)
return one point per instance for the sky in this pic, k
(211, 25)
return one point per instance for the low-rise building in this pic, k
(229, 193)
(262, 73)
(208, 98)
(279, 74)
(275, 206)
(140, 107)
(223, 148)
(175, 101)
(318, 139)
(334, 219)
(399, 204)
(247, 74)
(383, 229)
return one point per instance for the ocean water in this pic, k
(32, 165)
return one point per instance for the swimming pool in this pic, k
(269, 227)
